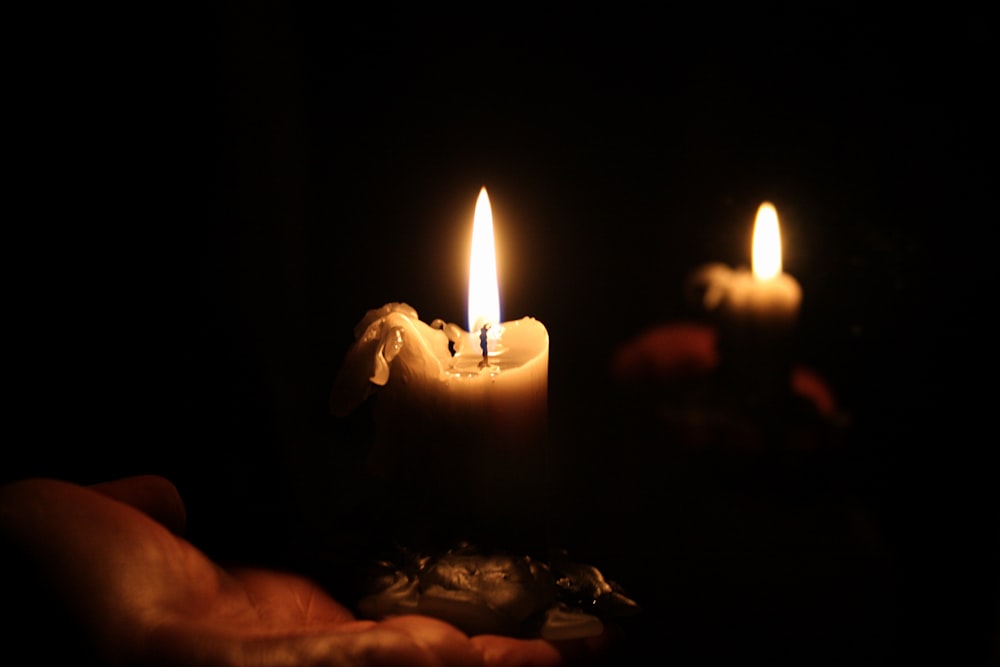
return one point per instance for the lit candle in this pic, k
(763, 300)
(755, 312)
(461, 417)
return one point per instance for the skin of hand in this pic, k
(111, 558)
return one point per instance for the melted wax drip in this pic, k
(498, 593)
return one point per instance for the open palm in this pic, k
(113, 555)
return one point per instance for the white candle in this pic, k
(761, 299)
(755, 312)
(462, 434)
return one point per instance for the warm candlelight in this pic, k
(461, 416)
(763, 298)
(766, 253)
(484, 290)
(753, 311)
(461, 423)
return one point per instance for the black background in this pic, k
(209, 201)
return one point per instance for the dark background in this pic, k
(211, 200)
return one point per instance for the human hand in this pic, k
(111, 558)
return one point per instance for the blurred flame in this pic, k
(484, 295)
(766, 243)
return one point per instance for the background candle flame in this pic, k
(766, 243)
(484, 294)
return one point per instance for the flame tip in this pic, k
(766, 242)
(484, 297)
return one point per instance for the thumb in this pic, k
(156, 496)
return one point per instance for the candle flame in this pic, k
(766, 243)
(484, 294)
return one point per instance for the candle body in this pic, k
(459, 445)
(741, 301)
(755, 319)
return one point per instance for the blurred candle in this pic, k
(754, 312)
(461, 417)
(761, 300)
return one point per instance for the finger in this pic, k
(292, 600)
(405, 641)
(500, 651)
(441, 641)
(156, 496)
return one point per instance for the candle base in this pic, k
(484, 591)
(459, 478)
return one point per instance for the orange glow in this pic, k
(766, 243)
(484, 294)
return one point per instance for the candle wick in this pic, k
(484, 346)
